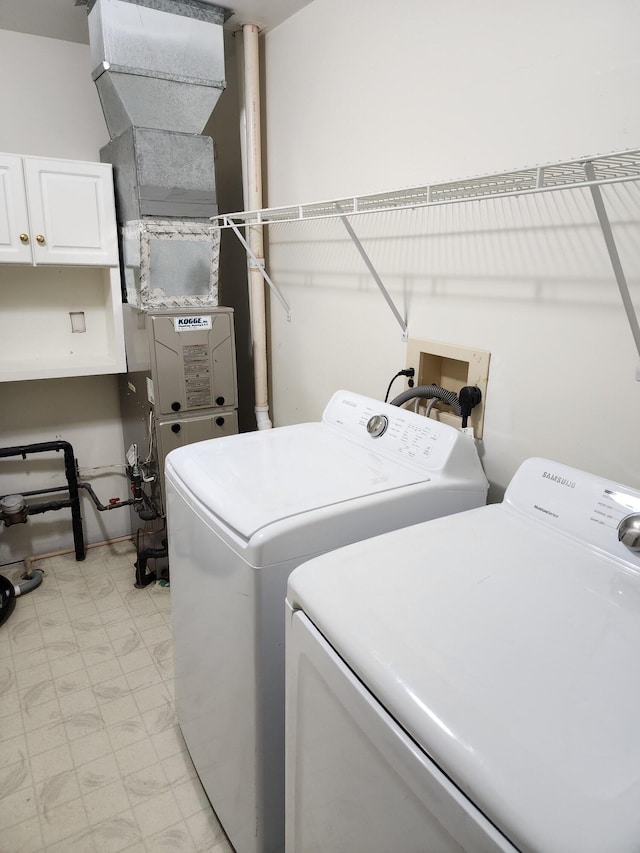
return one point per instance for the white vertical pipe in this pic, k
(253, 201)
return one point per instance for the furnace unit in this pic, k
(159, 71)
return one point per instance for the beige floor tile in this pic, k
(64, 821)
(17, 807)
(135, 660)
(179, 767)
(14, 777)
(104, 671)
(148, 698)
(190, 797)
(207, 833)
(145, 623)
(29, 645)
(13, 750)
(113, 688)
(123, 628)
(117, 834)
(175, 839)
(41, 715)
(37, 694)
(67, 664)
(8, 680)
(127, 732)
(77, 702)
(160, 719)
(92, 638)
(27, 675)
(90, 747)
(168, 742)
(162, 651)
(146, 783)
(79, 842)
(97, 655)
(82, 724)
(136, 757)
(72, 683)
(45, 738)
(106, 802)
(56, 791)
(57, 633)
(61, 649)
(158, 634)
(50, 763)
(81, 607)
(119, 710)
(111, 616)
(147, 676)
(23, 837)
(97, 773)
(156, 814)
(127, 643)
(10, 727)
(86, 624)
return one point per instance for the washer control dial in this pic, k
(629, 531)
(377, 425)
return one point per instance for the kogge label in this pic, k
(190, 324)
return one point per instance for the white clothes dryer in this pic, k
(243, 511)
(472, 683)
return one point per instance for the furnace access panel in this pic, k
(193, 361)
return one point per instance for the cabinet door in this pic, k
(72, 212)
(14, 221)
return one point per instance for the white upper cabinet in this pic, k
(15, 241)
(57, 212)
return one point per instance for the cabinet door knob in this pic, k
(24, 238)
(40, 239)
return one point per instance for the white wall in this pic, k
(50, 107)
(361, 97)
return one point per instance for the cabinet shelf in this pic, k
(37, 337)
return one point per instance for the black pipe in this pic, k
(38, 492)
(72, 480)
(100, 506)
(37, 509)
(144, 578)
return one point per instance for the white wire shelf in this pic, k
(587, 172)
(606, 169)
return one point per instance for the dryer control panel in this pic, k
(576, 503)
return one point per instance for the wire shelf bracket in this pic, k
(258, 264)
(369, 264)
(614, 257)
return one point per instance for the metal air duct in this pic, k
(158, 66)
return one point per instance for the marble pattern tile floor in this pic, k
(91, 756)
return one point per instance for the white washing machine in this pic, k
(243, 511)
(472, 683)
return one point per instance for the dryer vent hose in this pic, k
(427, 392)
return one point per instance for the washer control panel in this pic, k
(398, 433)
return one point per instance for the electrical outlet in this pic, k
(452, 367)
